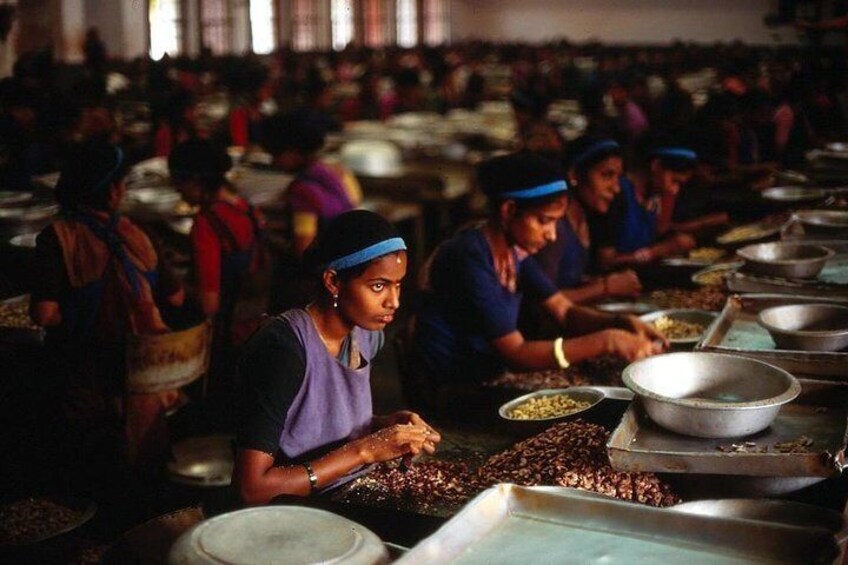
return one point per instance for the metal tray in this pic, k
(737, 331)
(820, 414)
(832, 282)
(512, 524)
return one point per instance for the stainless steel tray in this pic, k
(512, 524)
(737, 331)
(832, 282)
(820, 414)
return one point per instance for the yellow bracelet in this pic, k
(559, 354)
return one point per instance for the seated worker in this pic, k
(226, 233)
(636, 227)
(99, 277)
(466, 328)
(306, 421)
(594, 166)
(316, 195)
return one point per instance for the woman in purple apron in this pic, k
(306, 421)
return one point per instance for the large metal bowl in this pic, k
(710, 395)
(688, 315)
(808, 327)
(825, 222)
(785, 259)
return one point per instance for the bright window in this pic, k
(407, 23)
(262, 25)
(341, 18)
(435, 17)
(304, 25)
(374, 22)
(215, 25)
(165, 18)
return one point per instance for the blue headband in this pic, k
(536, 191)
(676, 153)
(594, 149)
(371, 252)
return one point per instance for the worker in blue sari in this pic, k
(466, 330)
(595, 165)
(636, 229)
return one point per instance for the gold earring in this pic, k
(336, 300)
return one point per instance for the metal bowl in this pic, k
(635, 308)
(688, 315)
(84, 509)
(578, 393)
(823, 221)
(785, 259)
(808, 327)
(710, 395)
(792, 194)
(203, 461)
(715, 275)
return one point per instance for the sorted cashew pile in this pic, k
(31, 518)
(705, 298)
(708, 254)
(544, 407)
(677, 329)
(423, 485)
(573, 454)
(16, 315)
(713, 278)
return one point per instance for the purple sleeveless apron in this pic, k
(333, 405)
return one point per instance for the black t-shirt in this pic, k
(271, 370)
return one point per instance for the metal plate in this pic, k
(279, 534)
(832, 282)
(581, 394)
(511, 524)
(792, 194)
(708, 276)
(737, 331)
(9, 197)
(635, 308)
(689, 315)
(820, 413)
(750, 233)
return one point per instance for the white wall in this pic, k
(617, 21)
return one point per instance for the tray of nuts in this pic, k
(35, 519)
(807, 439)
(15, 323)
(737, 331)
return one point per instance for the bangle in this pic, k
(559, 354)
(313, 478)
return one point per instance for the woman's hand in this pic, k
(630, 346)
(637, 326)
(623, 283)
(683, 242)
(396, 441)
